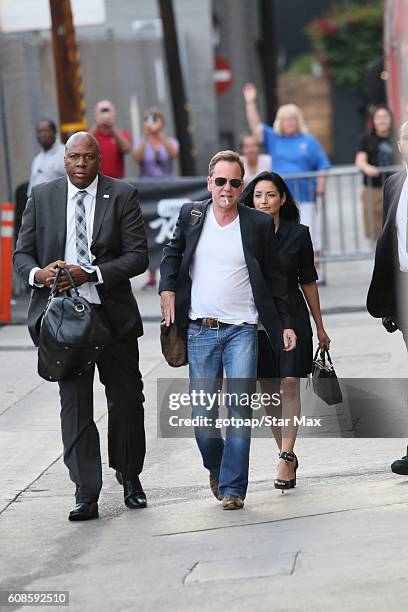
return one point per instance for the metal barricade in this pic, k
(346, 232)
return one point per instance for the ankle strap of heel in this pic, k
(287, 455)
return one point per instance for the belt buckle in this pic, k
(210, 321)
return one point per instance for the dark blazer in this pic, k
(266, 274)
(382, 294)
(118, 243)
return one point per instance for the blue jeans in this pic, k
(210, 351)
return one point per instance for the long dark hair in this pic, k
(288, 210)
(373, 112)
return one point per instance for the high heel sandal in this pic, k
(293, 480)
(284, 485)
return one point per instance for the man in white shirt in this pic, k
(49, 163)
(220, 275)
(388, 293)
(92, 225)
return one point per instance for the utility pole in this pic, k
(269, 57)
(71, 102)
(181, 108)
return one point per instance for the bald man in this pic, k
(117, 251)
(114, 142)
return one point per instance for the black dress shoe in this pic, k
(400, 466)
(134, 495)
(84, 511)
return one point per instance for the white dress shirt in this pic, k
(47, 165)
(401, 226)
(87, 290)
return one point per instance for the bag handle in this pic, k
(323, 356)
(53, 290)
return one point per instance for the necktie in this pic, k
(81, 230)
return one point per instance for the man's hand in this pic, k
(167, 305)
(289, 340)
(46, 276)
(78, 274)
(249, 92)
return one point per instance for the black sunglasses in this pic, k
(220, 181)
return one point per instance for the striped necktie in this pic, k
(82, 248)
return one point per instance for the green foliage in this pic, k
(347, 39)
(302, 64)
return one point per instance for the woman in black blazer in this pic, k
(269, 193)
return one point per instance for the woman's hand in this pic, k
(249, 92)
(324, 340)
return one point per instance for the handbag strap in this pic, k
(53, 290)
(195, 214)
(323, 354)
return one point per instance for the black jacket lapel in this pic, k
(103, 197)
(247, 231)
(195, 229)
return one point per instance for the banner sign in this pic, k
(160, 202)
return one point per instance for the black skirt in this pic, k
(296, 363)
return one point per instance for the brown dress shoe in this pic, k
(232, 502)
(214, 486)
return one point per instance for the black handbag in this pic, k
(72, 335)
(324, 379)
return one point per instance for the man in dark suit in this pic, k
(387, 295)
(220, 275)
(89, 219)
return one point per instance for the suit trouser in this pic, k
(119, 371)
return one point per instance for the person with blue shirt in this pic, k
(293, 150)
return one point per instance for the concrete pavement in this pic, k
(336, 541)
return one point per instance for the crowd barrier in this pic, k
(339, 219)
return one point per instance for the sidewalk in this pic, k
(332, 543)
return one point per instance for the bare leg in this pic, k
(271, 386)
(290, 394)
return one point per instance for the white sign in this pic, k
(168, 210)
(29, 15)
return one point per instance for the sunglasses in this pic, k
(235, 183)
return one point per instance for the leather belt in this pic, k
(211, 323)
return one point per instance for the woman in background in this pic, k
(155, 154)
(377, 148)
(293, 151)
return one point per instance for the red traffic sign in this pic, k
(222, 75)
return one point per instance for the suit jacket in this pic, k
(265, 271)
(382, 294)
(118, 243)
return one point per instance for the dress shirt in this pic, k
(47, 165)
(87, 290)
(401, 226)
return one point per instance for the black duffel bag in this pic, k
(72, 335)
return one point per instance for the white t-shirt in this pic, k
(220, 281)
(47, 165)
